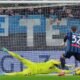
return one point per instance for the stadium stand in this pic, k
(61, 14)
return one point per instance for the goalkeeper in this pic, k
(35, 68)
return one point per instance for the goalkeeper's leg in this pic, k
(25, 72)
(26, 62)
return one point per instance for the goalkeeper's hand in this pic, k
(4, 49)
(77, 71)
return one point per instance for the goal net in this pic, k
(35, 31)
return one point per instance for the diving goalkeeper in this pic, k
(35, 68)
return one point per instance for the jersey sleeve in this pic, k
(65, 38)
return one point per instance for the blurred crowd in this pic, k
(66, 11)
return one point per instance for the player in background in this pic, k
(73, 44)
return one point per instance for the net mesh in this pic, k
(35, 32)
(41, 28)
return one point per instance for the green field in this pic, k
(40, 77)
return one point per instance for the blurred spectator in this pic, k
(9, 12)
(52, 11)
(40, 11)
(76, 14)
(60, 12)
(70, 15)
(30, 11)
(68, 11)
(16, 14)
(57, 21)
(1, 11)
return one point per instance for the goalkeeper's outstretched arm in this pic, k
(26, 62)
(60, 70)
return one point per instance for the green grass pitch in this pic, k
(40, 77)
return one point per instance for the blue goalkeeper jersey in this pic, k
(73, 42)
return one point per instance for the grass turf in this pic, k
(40, 77)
